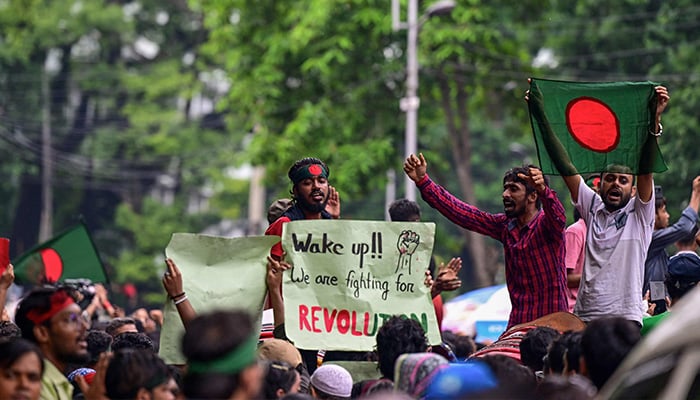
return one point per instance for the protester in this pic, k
(50, 318)
(558, 387)
(620, 220)
(533, 348)
(312, 197)
(280, 379)
(414, 372)
(683, 276)
(9, 329)
(331, 382)
(575, 235)
(98, 342)
(446, 277)
(532, 237)
(21, 369)
(281, 350)
(120, 325)
(656, 264)
(604, 345)
(398, 335)
(220, 348)
(133, 340)
(138, 374)
(563, 354)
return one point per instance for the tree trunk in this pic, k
(454, 104)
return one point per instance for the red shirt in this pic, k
(534, 254)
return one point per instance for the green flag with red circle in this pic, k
(69, 255)
(591, 125)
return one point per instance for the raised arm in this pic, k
(645, 181)
(172, 282)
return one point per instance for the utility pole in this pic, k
(46, 221)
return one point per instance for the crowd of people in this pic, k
(581, 301)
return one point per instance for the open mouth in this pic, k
(508, 205)
(317, 196)
(614, 195)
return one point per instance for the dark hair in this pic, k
(321, 395)
(399, 335)
(403, 210)
(9, 329)
(533, 346)
(512, 176)
(97, 343)
(605, 343)
(462, 345)
(116, 323)
(297, 396)
(208, 337)
(133, 340)
(38, 299)
(12, 349)
(130, 370)
(278, 375)
(510, 374)
(574, 387)
(678, 287)
(564, 351)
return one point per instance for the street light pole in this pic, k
(411, 102)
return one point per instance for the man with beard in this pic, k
(312, 197)
(620, 221)
(531, 230)
(52, 319)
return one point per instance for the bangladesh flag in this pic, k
(585, 127)
(69, 255)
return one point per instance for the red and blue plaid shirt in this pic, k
(534, 254)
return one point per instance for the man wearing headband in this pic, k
(531, 229)
(312, 197)
(51, 318)
(620, 221)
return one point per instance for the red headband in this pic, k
(59, 300)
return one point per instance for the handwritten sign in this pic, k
(217, 273)
(348, 277)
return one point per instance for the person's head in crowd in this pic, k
(510, 373)
(280, 379)
(515, 206)
(175, 372)
(149, 325)
(331, 382)
(281, 350)
(138, 374)
(220, 348)
(683, 270)
(310, 188)
(462, 345)
(563, 354)
(533, 346)
(404, 210)
(98, 342)
(21, 369)
(604, 345)
(462, 381)
(52, 319)
(565, 387)
(277, 208)
(662, 217)
(9, 329)
(399, 335)
(133, 340)
(414, 372)
(616, 187)
(120, 325)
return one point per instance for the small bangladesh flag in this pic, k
(69, 255)
(585, 127)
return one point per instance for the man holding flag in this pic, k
(620, 218)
